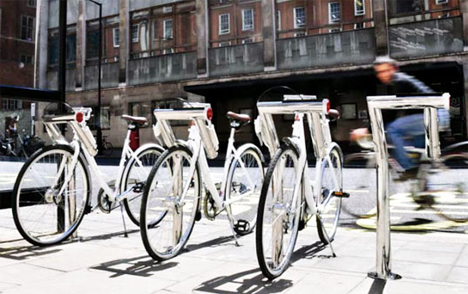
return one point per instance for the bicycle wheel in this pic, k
(448, 194)
(42, 214)
(164, 195)
(134, 180)
(107, 148)
(330, 206)
(243, 189)
(278, 217)
(360, 174)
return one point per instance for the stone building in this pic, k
(227, 52)
(17, 36)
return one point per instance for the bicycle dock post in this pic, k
(375, 104)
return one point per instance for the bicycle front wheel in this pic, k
(243, 190)
(328, 214)
(46, 209)
(135, 179)
(278, 213)
(172, 191)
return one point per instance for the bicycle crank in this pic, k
(209, 207)
(104, 202)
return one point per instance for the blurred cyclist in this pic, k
(406, 130)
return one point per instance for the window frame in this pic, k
(117, 29)
(440, 2)
(295, 9)
(300, 34)
(363, 25)
(252, 27)
(278, 20)
(363, 12)
(138, 33)
(28, 17)
(165, 27)
(330, 19)
(220, 24)
(31, 3)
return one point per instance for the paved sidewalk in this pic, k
(101, 260)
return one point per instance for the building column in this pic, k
(464, 12)
(269, 34)
(202, 19)
(124, 48)
(80, 44)
(381, 27)
(41, 49)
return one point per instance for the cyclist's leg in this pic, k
(397, 130)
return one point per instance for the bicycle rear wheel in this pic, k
(278, 217)
(332, 181)
(450, 196)
(135, 180)
(243, 190)
(360, 174)
(164, 195)
(42, 214)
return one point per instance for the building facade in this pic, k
(227, 52)
(17, 37)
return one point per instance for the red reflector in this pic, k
(209, 113)
(328, 106)
(79, 117)
(296, 118)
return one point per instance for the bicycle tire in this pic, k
(36, 210)
(138, 173)
(451, 201)
(329, 215)
(360, 173)
(274, 260)
(243, 206)
(160, 197)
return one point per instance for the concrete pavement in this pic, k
(101, 260)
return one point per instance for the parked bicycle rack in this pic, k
(320, 133)
(376, 104)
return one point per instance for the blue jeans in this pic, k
(404, 131)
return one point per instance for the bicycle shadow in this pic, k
(141, 266)
(311, 251)
(243, 283)
(108, 236)
(220, 241)
(25, 252)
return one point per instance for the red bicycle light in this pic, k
(209, 113)
(326, 106)
(79, 117)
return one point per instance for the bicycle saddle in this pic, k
(240, 119)
(138, 120)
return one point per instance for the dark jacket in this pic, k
(406, 84)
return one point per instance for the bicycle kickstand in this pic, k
(231, 226)
(123, 220)
(326, 235)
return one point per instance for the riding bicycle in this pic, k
(435, 179)
(290, 195)
(52, 191)
(176, 182)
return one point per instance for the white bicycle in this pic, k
(52, 191)
(290, 196)
(175, 184)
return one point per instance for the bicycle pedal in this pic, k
(340, 194)
(139, 187)
(242, 227)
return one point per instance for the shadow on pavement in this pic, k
(311, 251)
(142, 266)
(244, 283)
(215, 242)
(25, 252)
(377, 287)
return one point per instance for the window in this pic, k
(168, 51)
(299, 34)
(32, 3)
(334, 11)
(299, 17)
(247, 41)
(359, 25)
(224, 44)
(335, 30)
(168, 33)
(105, 118)
(247, 20)
(224, 24)
(278, 20)
(359, 7)
(116, 35)
(27, 28)
(26, 59)
(11, 104)
(135, 34)
(441, 1)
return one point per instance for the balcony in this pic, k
(426, 38)
(238, 59)
(350, 47)
(110, 76)
(163, 68)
